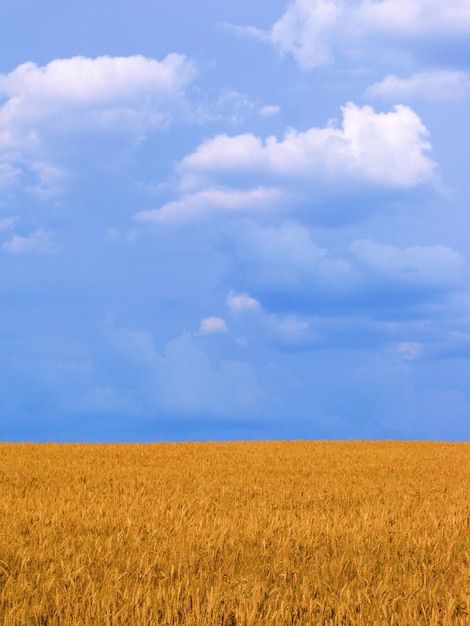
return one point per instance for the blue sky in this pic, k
(234, 220)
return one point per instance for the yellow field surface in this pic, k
(271, 533)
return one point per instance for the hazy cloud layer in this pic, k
(285, 270)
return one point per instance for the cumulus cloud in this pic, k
(245, 173)
(313, 31)
(39, 242)
(386, 148)
(105, 91)
(435, 85)
(83, 95)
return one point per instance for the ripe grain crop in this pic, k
(235, 534)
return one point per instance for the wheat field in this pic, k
(232, 534)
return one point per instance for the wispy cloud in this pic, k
(210, 202)
(7, 222)
(269, 110)
(434, 85)
(39, 242)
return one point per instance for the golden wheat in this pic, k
(275, 533)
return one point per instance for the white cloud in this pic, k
(314, 30)
(212, 325)
(38, 242)
(223, 153)
(241, 302)
(435, 85)
(388, 148)
(105, 89)
(42, 106)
